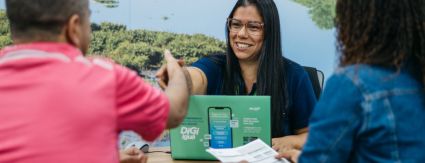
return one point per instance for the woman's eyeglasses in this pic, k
(252, 27)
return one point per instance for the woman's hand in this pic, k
(289, 142)
(291, 155)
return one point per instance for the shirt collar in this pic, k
(49, 47)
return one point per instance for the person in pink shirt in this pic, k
(58, 106)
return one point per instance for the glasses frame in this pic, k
(244, 26)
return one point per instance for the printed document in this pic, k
(256, 152)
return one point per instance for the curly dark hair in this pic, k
(384, 33)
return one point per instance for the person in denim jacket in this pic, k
(373, 107)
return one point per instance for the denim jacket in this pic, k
(368, 114)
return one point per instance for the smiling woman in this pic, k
(246, 39)
(254, 65)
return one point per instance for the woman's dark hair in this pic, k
(271, 74)
(386, 33)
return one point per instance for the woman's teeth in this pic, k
(241, 45)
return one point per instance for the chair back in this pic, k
(317, 79)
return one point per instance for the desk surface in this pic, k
(160, 155)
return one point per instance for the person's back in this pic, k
(382, 121)
(58, 106)
(393, 121)
(373, 108)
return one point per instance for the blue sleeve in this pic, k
(304, 100)
(211, 70)
(334, 122)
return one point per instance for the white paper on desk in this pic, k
(256, 152)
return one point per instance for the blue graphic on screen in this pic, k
(219, 127)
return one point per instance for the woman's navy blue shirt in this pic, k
(300, 90)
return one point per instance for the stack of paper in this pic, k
(255, 152)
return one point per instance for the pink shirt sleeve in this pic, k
(141, 107)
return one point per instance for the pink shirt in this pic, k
(57, 106)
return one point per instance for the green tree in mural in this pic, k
(4, 30)
(143, 49)
(138, 49)
(322, 12)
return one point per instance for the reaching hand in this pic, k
(133, 155)
(176, 84)
(167, 70)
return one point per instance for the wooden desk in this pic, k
(159, 155)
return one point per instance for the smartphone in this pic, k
(219, 127)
